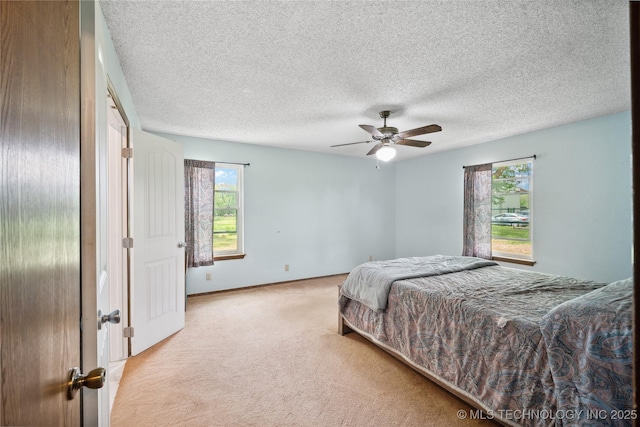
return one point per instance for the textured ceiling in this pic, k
(304, 75)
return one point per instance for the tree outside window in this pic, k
(511, 209)
(228, 213)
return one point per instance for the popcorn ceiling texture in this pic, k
(304, 75)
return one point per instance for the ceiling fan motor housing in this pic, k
(388, 131)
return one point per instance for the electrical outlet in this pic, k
(286, 267)
(208, 276)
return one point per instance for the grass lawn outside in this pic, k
(504, 238)
(225, 237)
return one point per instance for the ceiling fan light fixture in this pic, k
(386, 153)
(388, 135)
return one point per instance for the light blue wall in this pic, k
(324, 214)
(582, 197)
(321, 214)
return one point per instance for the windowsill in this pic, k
(228, 257)
(514, 260)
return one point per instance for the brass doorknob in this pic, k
(94, 379)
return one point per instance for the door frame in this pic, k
(115, 244)
(88, 208)
(118, 255)
(93, 236)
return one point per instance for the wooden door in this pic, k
(158, 292)
(39, 211)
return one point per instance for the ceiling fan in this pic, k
(387, 135)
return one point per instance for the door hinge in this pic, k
(127, 242)
(127, 153)
(128, 332)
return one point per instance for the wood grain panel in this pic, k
(39, 211)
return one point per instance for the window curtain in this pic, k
(477, 211)
(199, 185)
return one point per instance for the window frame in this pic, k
(237, 253)
(508, 256)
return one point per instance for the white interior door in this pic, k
(117, 257)
(101, 211)
(158, 289)
(97, 180)
(117, 261)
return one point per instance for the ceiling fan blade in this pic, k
(372, 130)
(350, 143)
(420, 131)
(374, 149)
(413, 143)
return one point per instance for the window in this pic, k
(228, 211)
(511, 209)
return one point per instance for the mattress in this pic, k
(479, 333)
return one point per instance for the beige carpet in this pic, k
(271, 356)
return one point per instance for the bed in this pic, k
(526, 348)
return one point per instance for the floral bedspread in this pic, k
(478, 331)
(589, 342)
